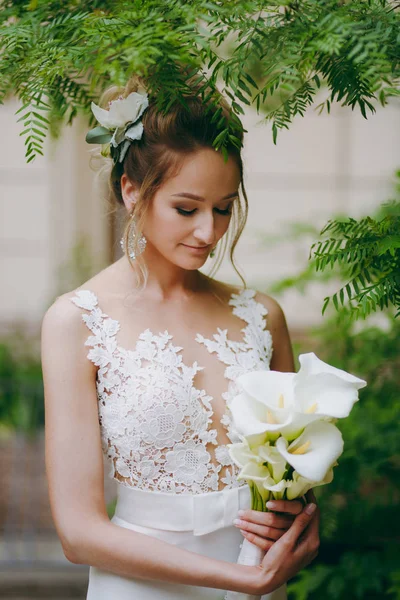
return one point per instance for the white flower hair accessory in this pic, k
(120, 125)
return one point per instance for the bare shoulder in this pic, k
(276, 316)
(275, 311)
(65, 314)
(62, 314)
(63, 324)
(63, 336)
(282, 355)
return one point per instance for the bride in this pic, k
(140, 364)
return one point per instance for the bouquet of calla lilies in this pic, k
(290, 442)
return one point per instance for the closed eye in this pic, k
(226, 211)
(187, 213)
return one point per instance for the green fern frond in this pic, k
(272, 55)
(368, 250)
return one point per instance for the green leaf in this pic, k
(335, 301)
(98, 135)
(326, 302)
(249, 78)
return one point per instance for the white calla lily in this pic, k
(252, 468)
(266, 468)
(271, 410)
(270, 401)
(253, 418)
(241, 453)
(299, 486)
(314, 453)
(294, 488)
(266, 458)
(276, 463)
(255, 472)
(322, 389)
(274, 402)
(280, 388)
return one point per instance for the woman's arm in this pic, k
(74, 466)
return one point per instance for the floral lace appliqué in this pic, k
(253, 353)
(155, 424)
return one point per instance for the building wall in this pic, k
(45, 208)
(323, 165)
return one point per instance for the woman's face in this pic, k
(191, 211)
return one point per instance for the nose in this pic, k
(204, 231)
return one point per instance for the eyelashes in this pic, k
(188, 213)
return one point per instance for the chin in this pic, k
(192, 265)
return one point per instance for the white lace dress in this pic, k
(176, 481)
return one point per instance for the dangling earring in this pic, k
(141, 244)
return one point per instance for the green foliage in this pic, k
(360, 530)
(361, 575)
(21, 385)
(58, 56)
(369, 251)
(364, 254)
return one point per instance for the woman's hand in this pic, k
(293, 551)
(265, 528)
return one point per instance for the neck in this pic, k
(165, 281)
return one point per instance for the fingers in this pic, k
(265, 528)
(293, 507)
(314, 525)
(300, 523)
(268, 519)
(261, 530)
(261, 542)
(311, 536)
(309, 545)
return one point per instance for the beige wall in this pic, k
(45, 207)
(322, 165)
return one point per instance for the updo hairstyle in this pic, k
(167, 138)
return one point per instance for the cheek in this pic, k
(165, 225)
(222, 226)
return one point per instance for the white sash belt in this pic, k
(200, 513)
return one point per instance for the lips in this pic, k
(196, 247)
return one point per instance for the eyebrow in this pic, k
(195, 197)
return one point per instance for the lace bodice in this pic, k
(154, 422)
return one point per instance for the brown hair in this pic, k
(167, 137)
